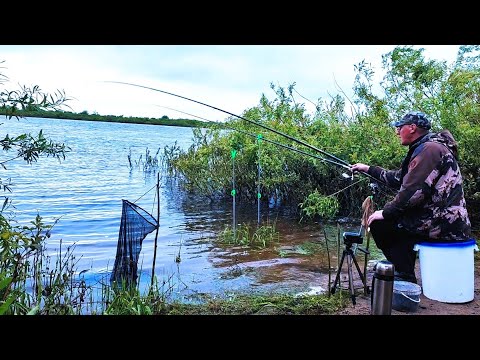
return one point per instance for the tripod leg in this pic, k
(364, 280)
(337, 277)
(350, 278)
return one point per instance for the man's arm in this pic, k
(414, 186)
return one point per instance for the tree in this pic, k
(21, 247)
(27, 146)
(448, 93)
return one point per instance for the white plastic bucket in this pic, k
(447, 270)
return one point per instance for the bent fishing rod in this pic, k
(264, 139)
(238, 116)
(250, 121)
(373, 186)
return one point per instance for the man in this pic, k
(430, 204)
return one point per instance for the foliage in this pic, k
(448, 93)
(84, 115)
(208, 169)
(149, 164)
(169, 154)
(30, 284)
(29, 148)
(23, 262)
(28, 99)
(317, 204)
(132, 302)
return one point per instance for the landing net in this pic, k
(135, 225)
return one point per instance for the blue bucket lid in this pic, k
(470, 242)
(407, 288)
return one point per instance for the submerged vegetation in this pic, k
(356, 130)
(262, 236)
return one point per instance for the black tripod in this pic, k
(350, 238)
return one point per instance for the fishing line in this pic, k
(234, 224)
(316, 106)
(345, 188)
(145, 193)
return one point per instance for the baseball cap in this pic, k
(414, 117)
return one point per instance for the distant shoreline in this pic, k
(67, 115)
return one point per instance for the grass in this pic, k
(263, 304)
(58, 289)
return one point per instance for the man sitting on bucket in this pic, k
(429, 205)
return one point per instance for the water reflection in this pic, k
(86, 190)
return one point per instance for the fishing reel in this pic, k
(374, 188)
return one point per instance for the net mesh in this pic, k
(135, 225)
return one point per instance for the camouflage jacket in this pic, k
(430, 201)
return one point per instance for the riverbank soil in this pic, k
(426, 305)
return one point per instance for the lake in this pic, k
(85, 192)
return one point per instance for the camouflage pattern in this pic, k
(414, 117)
(430, 201)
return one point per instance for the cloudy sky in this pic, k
(229, 77)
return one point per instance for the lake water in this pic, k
(86, 190)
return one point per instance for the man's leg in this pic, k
(382, 232)
(397, 246)
(403, 257)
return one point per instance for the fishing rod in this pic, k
(266, 140)
(252, 122)
(238, 116)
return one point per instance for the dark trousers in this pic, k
(396, 244)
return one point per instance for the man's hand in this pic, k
(377, 215)
(359, 167)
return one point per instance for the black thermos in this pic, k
(382, 288)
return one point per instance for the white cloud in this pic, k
(230, 77)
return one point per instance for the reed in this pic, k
(261, 237)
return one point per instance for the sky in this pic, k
(229, 77)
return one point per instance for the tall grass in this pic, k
(160, 160)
